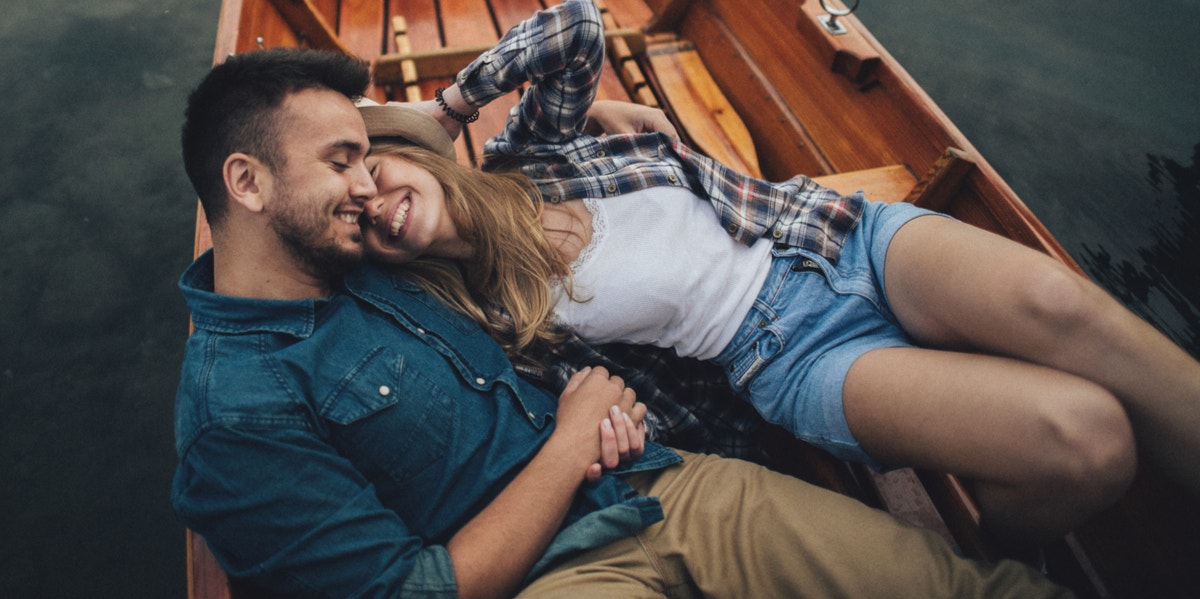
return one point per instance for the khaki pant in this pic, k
(734, 529)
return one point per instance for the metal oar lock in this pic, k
(830, 21)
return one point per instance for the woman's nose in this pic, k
(373, 209)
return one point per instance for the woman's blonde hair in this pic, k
(513, 265)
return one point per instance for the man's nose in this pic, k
(362, 185)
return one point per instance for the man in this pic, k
(341, 433)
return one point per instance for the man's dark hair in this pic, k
(235, 109)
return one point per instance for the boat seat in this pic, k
(883, 184)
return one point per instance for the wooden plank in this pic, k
(206, 579)
(667, 14)
(329, 10)
(263, 27)
(852, 129)
(884, 184)
(309, 24)
(424, 34)
(448, 61)
(611, 86)
(785, 147)
(630, 13)
(408, 68)
(361, 29)
(468, 23)
(848, 54)
(712, 124)
(937, 189)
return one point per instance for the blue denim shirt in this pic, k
(331, 447)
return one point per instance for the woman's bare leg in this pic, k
(1045, 449)
(953, 285)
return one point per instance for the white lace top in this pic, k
(660, 270)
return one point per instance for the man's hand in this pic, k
(615, 117)
(584, 403)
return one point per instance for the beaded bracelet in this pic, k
(454, 114)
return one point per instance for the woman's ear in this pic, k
(247, 180)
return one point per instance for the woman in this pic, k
(883, 333)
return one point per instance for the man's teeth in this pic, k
(400, 217)
(350, 219)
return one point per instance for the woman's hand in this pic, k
(614, 117)
(622, 439)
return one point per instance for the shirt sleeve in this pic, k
(334, 539)
(559, 51)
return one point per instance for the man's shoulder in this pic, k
(268, 378)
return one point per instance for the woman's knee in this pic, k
(1090, 440)
(1059, 300)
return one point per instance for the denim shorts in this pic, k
(809, 323)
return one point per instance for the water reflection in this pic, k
(1163, 286)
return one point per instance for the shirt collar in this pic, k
(229, 314)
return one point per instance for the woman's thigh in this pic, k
(953, 285)
(987, 417)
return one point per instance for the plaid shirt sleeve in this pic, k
(561, 52)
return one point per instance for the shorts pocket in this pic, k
(747, 364)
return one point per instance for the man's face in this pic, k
(318, 193)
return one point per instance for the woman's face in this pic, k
(408, 218)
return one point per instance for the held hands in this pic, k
(615, 117)
(600, 420)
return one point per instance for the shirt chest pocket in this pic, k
(389, 420)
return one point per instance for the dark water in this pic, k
(96, 221)
(1091, 111)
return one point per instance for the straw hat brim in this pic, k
(395, 121)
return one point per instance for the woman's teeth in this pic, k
(400, 217)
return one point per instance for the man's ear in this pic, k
(247, 180)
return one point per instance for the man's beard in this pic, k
(305, 234)
(319, 257)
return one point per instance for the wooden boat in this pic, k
(765, 87)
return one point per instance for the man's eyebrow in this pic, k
(348, 146)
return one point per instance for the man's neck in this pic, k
(263, 272)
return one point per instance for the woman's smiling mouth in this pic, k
(400, 216)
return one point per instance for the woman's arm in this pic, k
(561, 52)
(612, 117)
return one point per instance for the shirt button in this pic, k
(612, 187)
(480, 381)
(384, 390)
(672, 178)
(600, 154)
(530, 415)
(554, 199)
(732, 228)
(420, 330)
(777, 233)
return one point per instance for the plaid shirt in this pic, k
(560, 51)
(690, 405)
